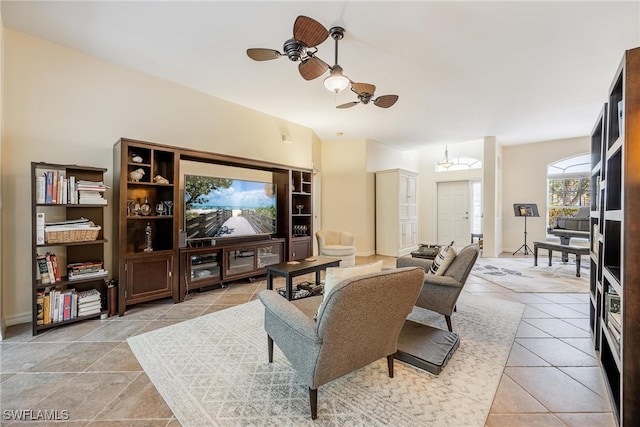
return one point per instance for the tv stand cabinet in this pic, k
(146, 254)
(212, 266)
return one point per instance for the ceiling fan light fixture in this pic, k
(445, 163)
(336, 82)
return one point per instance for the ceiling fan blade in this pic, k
(385, 101)
(360, 88)
(349, 104)
(309, 31)
(260, 54)
(312, 68)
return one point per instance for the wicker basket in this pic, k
(70, 236)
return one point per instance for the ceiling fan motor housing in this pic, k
(365, 97)
(294, 49)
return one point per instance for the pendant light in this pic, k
(445, 163)
(337, 81)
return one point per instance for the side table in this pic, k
(292, 269)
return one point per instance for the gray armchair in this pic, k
(440, 293)
(358, 323)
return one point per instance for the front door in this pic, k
(454, 213)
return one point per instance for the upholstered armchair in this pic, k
(337, 244)
(358, 323)
(440, 293)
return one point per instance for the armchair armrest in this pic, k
(425, 264)
(289, 316)
(430, 279)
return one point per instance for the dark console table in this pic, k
(292, 269)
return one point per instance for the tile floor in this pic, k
(552, 377)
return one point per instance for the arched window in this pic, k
(568, 186)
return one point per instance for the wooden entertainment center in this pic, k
(149, 259)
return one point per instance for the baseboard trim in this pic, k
(17, 319)
(366, 253)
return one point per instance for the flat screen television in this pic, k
(222, 207)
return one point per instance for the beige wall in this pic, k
(348, 199)
(380, 157)
(525, 174)
(62, 106)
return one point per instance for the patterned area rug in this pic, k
(519, 274)
(213, 371)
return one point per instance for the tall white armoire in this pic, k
(396, 212)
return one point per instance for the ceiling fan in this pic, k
(307, 34)
(365, 92)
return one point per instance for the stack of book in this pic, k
(86, 270)
(89, 302)
(53, 187)
(91, 193)
(58, 306)
(48, 268)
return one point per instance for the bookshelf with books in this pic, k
(615, 275)
(67, 234)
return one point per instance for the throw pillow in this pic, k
(335, 275)
(442, 261)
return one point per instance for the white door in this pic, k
(454, 203)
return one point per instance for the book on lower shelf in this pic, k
(59, 305)
(48, 269)
(43, 269)
(40, 308)
(90, 275)
(88, 308)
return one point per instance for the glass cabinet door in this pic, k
(269, 255)
(240, 261)
(204, 266)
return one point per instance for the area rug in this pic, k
(213, 371)
(519, 274)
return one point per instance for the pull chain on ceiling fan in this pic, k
(337, 81)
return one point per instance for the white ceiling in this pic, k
(520, 71)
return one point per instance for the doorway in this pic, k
(459, 212)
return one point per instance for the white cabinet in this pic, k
(396, 212)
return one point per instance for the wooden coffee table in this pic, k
(292, 269)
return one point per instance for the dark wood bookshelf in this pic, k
(68, 252)
(615, 248)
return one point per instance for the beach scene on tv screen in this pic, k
(222, 207)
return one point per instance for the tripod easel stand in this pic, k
(525, 210)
